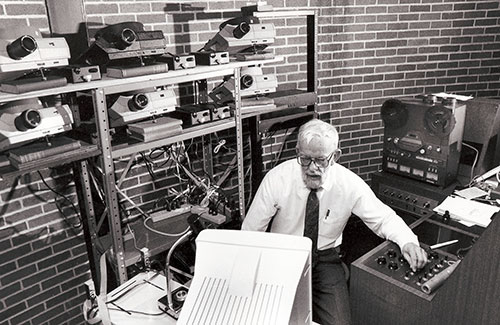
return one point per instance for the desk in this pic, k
(468, 296)
(141, 296)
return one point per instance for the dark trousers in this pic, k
(329, 288)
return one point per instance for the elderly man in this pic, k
(314, 196)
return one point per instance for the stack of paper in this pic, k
(466, 211)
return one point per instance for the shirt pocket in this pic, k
(331, 226)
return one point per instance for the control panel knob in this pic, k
(391, 253)
(427, 205)
(422, 151)
(433, 255)
(407, 275)
(393, 266)
(381, 260)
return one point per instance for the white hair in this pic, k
(318, 129)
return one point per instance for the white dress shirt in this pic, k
(283, 194)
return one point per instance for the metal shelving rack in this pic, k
(130, 148)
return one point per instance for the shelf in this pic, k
(133, 146)
(118, 85)
(283, 13)
(84, 152)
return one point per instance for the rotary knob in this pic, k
(422, 151)
(433, 255)
(393, 266)
(381, 260)
(391, 253)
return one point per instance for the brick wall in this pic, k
(43, 257)
(369, 51)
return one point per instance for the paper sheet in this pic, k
(467, 210)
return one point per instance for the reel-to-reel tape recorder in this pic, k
(423, 138)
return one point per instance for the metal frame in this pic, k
(312, 85)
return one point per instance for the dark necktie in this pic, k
(311, 222)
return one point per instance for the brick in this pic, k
(53, 260)
(38, 277)
(28, 313)
(134, 7)
(42, 220)
(57, 279)
(56, 237)
(48, 314)
(15, 253)
(22, 9)
(5, 245)
(12, 310)
(100, 9)
(9, 207)
(33, 257)
(9, 289)
(72, 316)
(61, 298)
(7, 267)
(22, 295)
(73, 262)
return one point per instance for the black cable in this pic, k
(79, 225)
(137, 312)
(147, 163)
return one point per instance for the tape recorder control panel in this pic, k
(423, 138)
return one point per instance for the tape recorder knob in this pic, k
(438, 149)
(422, 151)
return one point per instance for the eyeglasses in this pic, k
(320, 162)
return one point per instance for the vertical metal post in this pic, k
(87, 212)
(109, 183)
(239, 142)
(312, 59)
(207, 154)
(257, 152)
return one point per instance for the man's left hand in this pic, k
(415, 255)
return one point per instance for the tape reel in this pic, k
(439, 121)
(394, 113)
